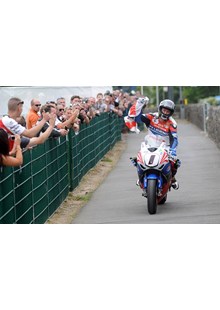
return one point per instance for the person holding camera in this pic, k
(75, 124)
(112, 105)
(82, 116)
(75, 99)
(12, 127)
(89, 107)
(6, 158)
(61, 121)
(55, 132)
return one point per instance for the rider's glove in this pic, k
(134, 161)
(172, 155)
(143, 101)
(178, 163)
(172, 152)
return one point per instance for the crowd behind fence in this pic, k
(32, 193)
(46, 152)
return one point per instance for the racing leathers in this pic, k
(162, 131)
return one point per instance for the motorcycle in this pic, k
(153, 164)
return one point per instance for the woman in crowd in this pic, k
(6, 159)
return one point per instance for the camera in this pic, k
(85, 100)
(111, 107)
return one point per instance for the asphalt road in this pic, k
(119, 200)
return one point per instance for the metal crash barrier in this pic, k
(32, 193)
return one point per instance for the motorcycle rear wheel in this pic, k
(151, 196)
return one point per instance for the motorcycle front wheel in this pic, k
(151, 196)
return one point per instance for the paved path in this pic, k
(119, 200)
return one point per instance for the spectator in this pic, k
(115, 95)
(75, 125)
(83, 116)
(45, 135)
(125, 106)
(138, 94)
(100, 105)
(108, 102)
(133, 97)
(125, 103)
(89, 108)
(9, 123)
(33, 114)
(68, 112)
(5, 156)
(41, 138)
(55, 133)
(82, 113)
(121, 95)
(127, 96)
(75, 99)
(60, 113)
(117, 109)
(21, 120)
(52, 103)
(61, 122)
(107, 93)
(112, 106)
(61, 100)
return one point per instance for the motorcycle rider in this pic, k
(163, 127)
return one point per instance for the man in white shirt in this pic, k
(9, 123)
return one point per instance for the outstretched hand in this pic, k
(52, 119)
(17, 142)
(143, 101)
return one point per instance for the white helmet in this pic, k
(167, 104)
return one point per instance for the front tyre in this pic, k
(151, 196)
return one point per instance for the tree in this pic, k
(194, 94)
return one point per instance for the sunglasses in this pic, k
(21, 102)
(61, 110)
(37, 105)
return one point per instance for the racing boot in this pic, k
(139, 183)
(174, 184)
(144, 193)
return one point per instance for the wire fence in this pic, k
(32, 193)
